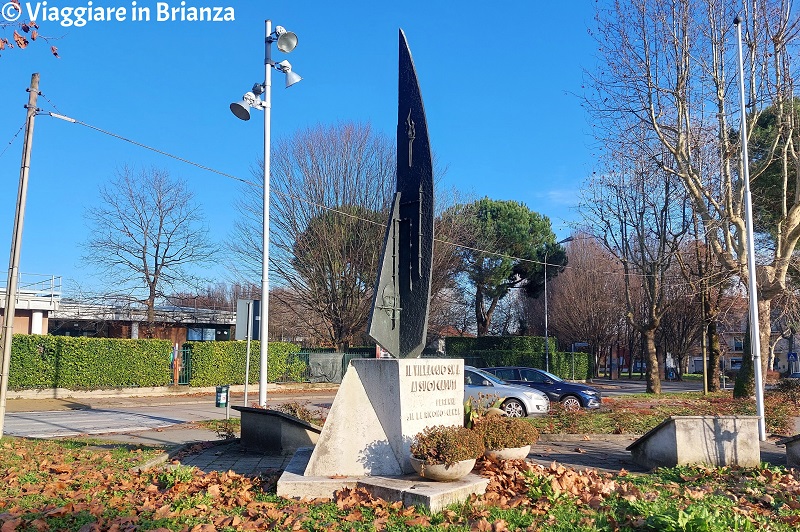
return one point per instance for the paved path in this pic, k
(231, 457)
(65, 418)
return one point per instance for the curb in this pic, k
(588, 437)
(178, 449)
(159, 391)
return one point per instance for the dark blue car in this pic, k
(571, 395)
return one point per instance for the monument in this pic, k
(383, 403)
(399, 318)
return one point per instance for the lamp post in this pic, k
(755, 340)
(546, 341)
(286, 42)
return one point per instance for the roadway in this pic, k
(53, 418)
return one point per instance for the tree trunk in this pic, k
(483, 317)
(713, 372)
(745, 383)
(765, 333)
(653, 381)
(150, 328)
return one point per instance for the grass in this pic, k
(638, 413)
(225, 428)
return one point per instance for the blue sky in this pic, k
(501, 88)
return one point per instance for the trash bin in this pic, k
(222, 396)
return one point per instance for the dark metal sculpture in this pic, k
(399, 320)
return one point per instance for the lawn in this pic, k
(637, 414)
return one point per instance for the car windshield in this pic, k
(551, 376)
(488, 376)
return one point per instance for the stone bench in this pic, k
(710, 440)
(792, 444)
(272, 432)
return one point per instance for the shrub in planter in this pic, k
(500, 432)
(446, 445)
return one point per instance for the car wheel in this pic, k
(513, 408)
(571, 402)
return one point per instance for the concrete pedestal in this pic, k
(380, 406)
(710, 440)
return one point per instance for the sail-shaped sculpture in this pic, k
(399, 319)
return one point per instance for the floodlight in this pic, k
(287, 41)
(292, 78)
(242, 109)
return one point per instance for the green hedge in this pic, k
(528, 351)
(87, 363)
(215, 363)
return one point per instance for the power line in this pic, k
(315, 204)
(10, 142)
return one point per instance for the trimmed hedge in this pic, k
(527, 351)
(215, 363)
(88, 363)
(75, 362)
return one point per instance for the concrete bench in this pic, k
(272, 432)
(711, 440)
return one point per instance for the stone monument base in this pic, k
(411, 490)
(379, 408)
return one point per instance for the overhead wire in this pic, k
(310, 202)
(13, 138)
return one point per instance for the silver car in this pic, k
(518, 401)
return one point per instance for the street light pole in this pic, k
(264, 322)
(286, 42)
(546, 340)
(755, 340)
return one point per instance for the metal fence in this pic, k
(325, 366)
(183, 372)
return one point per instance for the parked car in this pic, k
(518, 401)
(570, 394)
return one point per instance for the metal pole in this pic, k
(264, 322)
(755, 340)
(16, 244)
(247, 356)
(572, 352)
(546, 341)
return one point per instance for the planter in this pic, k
(441, 472)
(511, 453)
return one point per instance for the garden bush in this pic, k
(527, 351)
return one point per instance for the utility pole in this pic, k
(16, 244)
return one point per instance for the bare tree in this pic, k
(330, 191)
(586, 301)
(667, 66)
(641, 215)
(146, 234)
